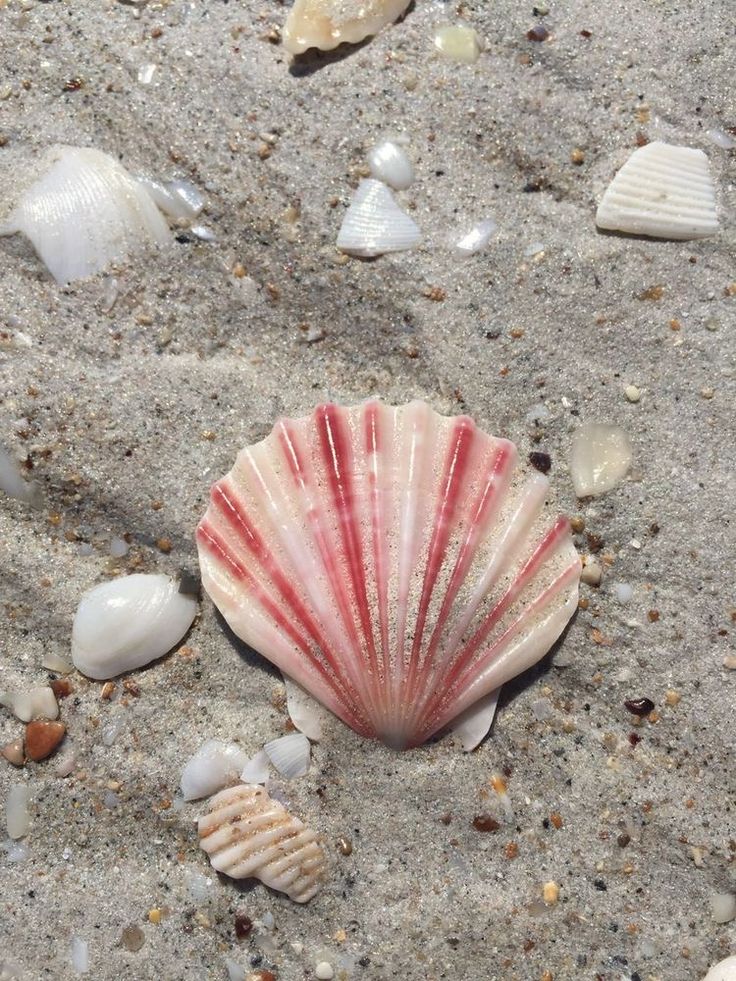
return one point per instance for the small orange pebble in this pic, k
(61, 687)
(107, 689)
(550, 893)
(632, 929)
(651, 293)
(239, 271)
(675, 325)
(600, 638)
(672, 697)
(511, 851)
(42, 738)
(209, 435)
(546, 976)
(503, 371)
(435, 293)
(164, 545)
(654, 717)
(653, 616)
(556, 820)
(583, 603)
(690, 803)
(516, 333)
(157, 505)
(498, 783)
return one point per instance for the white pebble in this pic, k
(389, 163)
(118, 548)
(477, 238)
(536, 248)
(17, 813)
(80, 955)
(38, 703)
(721, 138)
(13, 484)
(324, 971)
(632, 393)
(458, 43)
(146, 73)
(214, 766)
(592, 572)
(723, 907)
(599, 459)
(623, 592)
(234, 971)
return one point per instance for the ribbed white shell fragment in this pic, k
(663, 191)
(326, 23)
(247, 834)
(289, 754)
(85, 212)
(391, 561)
(374, 223)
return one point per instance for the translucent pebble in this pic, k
(623, 592)
(118, 547)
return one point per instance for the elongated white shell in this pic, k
(600, 458)
(247, 834)
(374, 223)
(391, 561)
(664, 191)
(326, 23)
(289, 754)
(390, 164)
(213, 766)
(85, 212)
(128, 622)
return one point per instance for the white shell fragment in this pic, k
(247, 834)
(473, 725)
(37, 703)
(458, 43)
(17, 814)
(663, 191)
(374, 223)
(79, 954)
(723, 970)
(177, 199)
(723, 907)
(85, 212)
(289, 754)
(326, 23)
(304, 711)
(13, 484)
(128, 622)
(600, 459)
(256, 769)
(390, 164)
(215, 765)
(477, 238)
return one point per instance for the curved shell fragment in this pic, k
(600, 458)
(374, 223)
(324, 24)
(289, 754)
(247, 834)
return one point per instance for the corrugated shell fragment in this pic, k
(663, 191)
(248, 835)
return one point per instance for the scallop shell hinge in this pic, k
(246, 834)
(393, 562)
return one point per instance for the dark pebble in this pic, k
(600, 885)
(243, 925)
(639, 706)
(541, 461)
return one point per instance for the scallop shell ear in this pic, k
(393, 562)
(326, 23)
(663, 191)
(246, 834)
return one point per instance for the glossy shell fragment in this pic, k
(600, 458)
(324, 24)
(248, 835)
(663, 191)
(391, 561)
(374, 224)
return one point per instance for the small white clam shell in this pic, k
(213, 766)
(289, 754)
(477, 238)
(304, 711)
(374, 223)
(247, 834)
(128, 622)
(600, 458)
(37, 703)
(326, 23)
(256, 768)
(723, 970)
(390, 164)
(85, 212)
(664, 191)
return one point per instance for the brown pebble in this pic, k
(577, 157)
(133, 938)
(651, 293)
(555, 820)
(107, 689)
(653, 616)
(511, 851)
(164, 545)
(538, 33)
(541, 461)
(484, 822)
(623, 840)
(13, 752)
(435, 293)
(344, 845)
(261, 976)
(243, 925)
(42, 738)
(446, 819)
(61, 687)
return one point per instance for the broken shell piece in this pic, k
(289, 754)
(304, 711)
(600, 459)
(13, 752)
(128, 622)
(215, 765)
(458, 43)
(723, 970)
(477, 238)
(663, 191)
(473, 725)
(324, 24)
(11, 481)
(38, 703)
(256, 769)
(17, 813)
(177, 199)
(389, 163)
(85, 212)
(374, 223)
(392, 561)
(247, 834)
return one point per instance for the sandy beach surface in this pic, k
(125, 414)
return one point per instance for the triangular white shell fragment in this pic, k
(375, 224)
(326, 23)
(256, 769)
(289, 754)
(663, 191)
(85, 212)
(304, 711)
(472, 726)
(213, 766)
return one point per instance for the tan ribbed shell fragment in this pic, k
(246, 834)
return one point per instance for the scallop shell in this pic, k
(326, 23)
(663, 191)
(246, 834)
(392, 561)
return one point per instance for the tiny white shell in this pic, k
(85, 212)
(600, 458)
(289, 754)
(326, 23)
(128, 622)
(213, 766)
(256, 768)
(723, 970)
(663, 191)
(477, 238)
(374, 223)
(390, 164)
(13, 484)
(472, 726)
(37, 703)
(304, 711)
(247, 834)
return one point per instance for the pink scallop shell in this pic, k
(392, 561)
